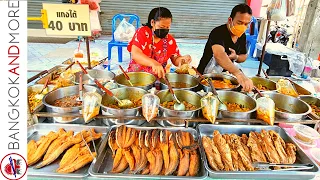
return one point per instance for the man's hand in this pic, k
(246, 83)
(233, 55)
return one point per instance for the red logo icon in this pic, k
(13, 166)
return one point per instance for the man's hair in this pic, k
(241, 8)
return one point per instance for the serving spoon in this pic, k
(178, 106)
(222, 106)
(126, 75)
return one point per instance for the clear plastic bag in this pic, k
(277, 10)
(266, 110)
(91, 105)
(150, 105)
(124, 31)
(285, 87)
(210, 107)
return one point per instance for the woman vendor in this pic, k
(152, 45)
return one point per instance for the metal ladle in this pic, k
(178, 106)
(126, 75)
(125, 103)
(222, 106)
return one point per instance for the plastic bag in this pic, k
(124, 31)
(91, 105)
(277, 10)
(213, 67)
(150, 104)
(111, 85)
(210, 107)
(266, 110)
(285, 87)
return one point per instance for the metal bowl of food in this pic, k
(138, 79)
(63, 100)
(264, 84)
(288, 107)
(240, 106)
(180, 81)
(103, 76)
(313, 102)
(193, 106)
(110, 106)
(221, 82)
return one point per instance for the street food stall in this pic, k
(139, 130)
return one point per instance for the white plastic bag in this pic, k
(124, 31)
(277, 10)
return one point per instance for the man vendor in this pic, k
(227, 44)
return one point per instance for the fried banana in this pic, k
(69, 156)
(123, 165)
(130, 159)
(42, 148)
(173, 155)
(78, 163)
(194, 163)
(31, 149)
(112, 142)
(136, 151)
(121, 135)
(158, 163)
(131, 138)
(183, 167)
(164, 146)
(117, 158)
(152, 161)
(146, 170)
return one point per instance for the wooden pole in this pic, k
(88, 52)
(264, 48)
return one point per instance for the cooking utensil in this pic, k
(141, 80)
(297, 109)
(132, 93)
(189, 82)
(216, 76)
(80, 88)
(311, 100)
(288, 167)
(125, 103)
(222, 106)
(126, 75)
(199, 74)
(178, 106)
(102, 75)
(258, 91)
(40, 95)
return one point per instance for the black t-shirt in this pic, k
(221, 36)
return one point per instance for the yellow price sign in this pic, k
(68, 19)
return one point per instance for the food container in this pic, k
(103, 76)
(239, 98)
(306, 134)
(141, 80)
(183, 95)
(210, 107)
(266, 110)
(296, 108)
(37, 130)
(215, 76)
(122, 93)
(180, 81)
(285, 87)
(61, 93)
(300, 89)
(38, 105)
(302, 158)
(315, 154)
(258, 81)
(150, 105)
(313, 102)
(103, 165)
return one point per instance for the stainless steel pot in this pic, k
(264, 82)
(61, 93)
(102, 75)
(191, 81)
(297, 109)
(141, 80)
(131, 93)
(216, 76)
(183, 95)
(311, 101)
(239, 98)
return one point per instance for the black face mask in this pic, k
(161, 33)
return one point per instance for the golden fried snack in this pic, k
(78, 163)
(224, 150)
(70, 156)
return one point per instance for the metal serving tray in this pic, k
(38, 130)
(207, 130)
(103, 165)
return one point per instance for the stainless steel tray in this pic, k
(103, 165)
(38, 130)
(55, 69)
(207, 130)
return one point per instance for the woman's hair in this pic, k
(157, 14)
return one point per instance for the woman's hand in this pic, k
(158, 69)
(186, 59)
